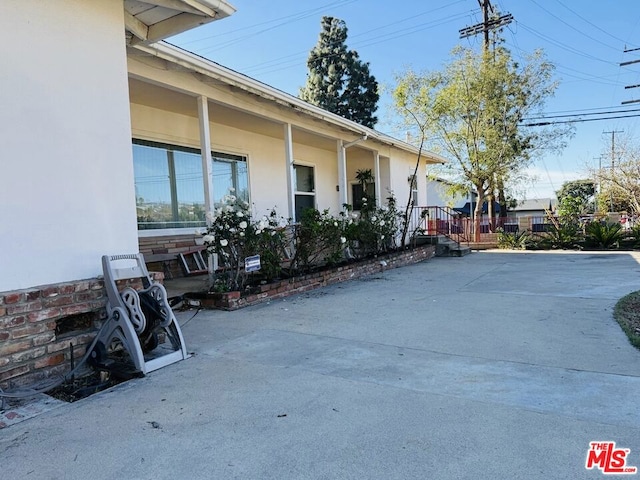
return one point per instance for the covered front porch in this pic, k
(198, 136)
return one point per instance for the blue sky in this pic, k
(270, 42)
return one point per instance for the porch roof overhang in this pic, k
(149, 21)
(213, 71)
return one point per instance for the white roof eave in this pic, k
(218, 72)
(170, 17)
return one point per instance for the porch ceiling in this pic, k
(148, 21)
(155, 96)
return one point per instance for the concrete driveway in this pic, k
(491, 366)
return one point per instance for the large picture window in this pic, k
(170, 186)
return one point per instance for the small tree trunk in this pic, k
(408, 211)
(502, 199)
(478, 210)
(490, 210)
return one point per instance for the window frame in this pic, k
(170, 147)
(233, 159)
(297, 192)
(355, 204)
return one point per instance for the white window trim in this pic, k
(314, 194)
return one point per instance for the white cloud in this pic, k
(544, 182)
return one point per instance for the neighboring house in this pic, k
(81, 83)
(534, 207)
(437, 195)
(532, 214)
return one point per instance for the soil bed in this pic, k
(85, 386)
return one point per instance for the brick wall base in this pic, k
(284, 288)
(38, 325)
(172, 244)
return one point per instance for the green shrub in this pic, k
(319, 240)
(514, 241)
(634, 235)
(604, 234)
(559, 236)
(374, 230)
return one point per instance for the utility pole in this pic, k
(613, 162)
(488, 24)
(624, 64)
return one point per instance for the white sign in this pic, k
(252, 264)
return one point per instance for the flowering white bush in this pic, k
(374, 230)
(233, 236)
(318, 239)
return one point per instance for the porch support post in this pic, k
(342, 174)
(376, 178)
(288, 155)
(205, 151)
(207, 177)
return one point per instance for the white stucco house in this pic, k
(114, 142)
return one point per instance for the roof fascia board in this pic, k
(223, 8)
(137, 28)
(173, 25)
(187, 6)
(208, 8)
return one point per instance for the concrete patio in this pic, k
(495, 365)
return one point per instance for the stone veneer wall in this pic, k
(303, 283)
(38, 325)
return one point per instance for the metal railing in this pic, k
(450, 223)
(440, 221)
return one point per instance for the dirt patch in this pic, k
(627, 314)
(85, 386)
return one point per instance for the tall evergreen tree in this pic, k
(338, 80)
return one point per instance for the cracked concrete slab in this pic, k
(494, 365)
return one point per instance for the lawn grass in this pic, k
(627, 314)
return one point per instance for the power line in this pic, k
(565, 70)
(578, 120)
(583, 114)
(267, 67)
(562, 45)
(289, 18)
(590, 23)
(582, 110)
(572, 27)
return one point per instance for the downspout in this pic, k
(288, 150)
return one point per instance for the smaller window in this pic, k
(304, 189)
(413, 182)
(229, 173)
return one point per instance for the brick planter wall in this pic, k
(284, 288)
(37, 325)
(166, 244)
